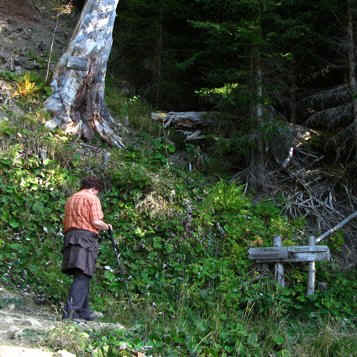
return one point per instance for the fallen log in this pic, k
(186, 120)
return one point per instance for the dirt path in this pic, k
(25, 324)
(22, 324)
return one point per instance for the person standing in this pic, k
(83, 220)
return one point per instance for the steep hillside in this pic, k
(29, 34)
(184, 285)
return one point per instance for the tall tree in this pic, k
(77, 102)
(151, 46)
(352, 67)
(241, 45)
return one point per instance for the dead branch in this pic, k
(337, 227)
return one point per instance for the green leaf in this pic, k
(14, 224)
(278, 339)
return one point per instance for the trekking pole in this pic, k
(122, 272)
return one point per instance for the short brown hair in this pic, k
(91, 182)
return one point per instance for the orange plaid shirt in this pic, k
(81, 210)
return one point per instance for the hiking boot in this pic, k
(87, 316)
(69, 315)
(90, 316)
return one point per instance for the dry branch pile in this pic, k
(321, 196)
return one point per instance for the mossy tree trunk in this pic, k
(77, 102)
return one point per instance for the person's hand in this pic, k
(110, 227)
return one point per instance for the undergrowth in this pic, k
(185, 286)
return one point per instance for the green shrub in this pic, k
(184, 285)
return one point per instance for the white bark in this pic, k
(279, 268)
(77, 103)
(336, 228)
(312, 271)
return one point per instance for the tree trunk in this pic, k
(260, 167)
(77, 102)
(352, 69)
(159, 58)
(292, 91)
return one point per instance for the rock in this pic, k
(12, 351)
(26, 63)
(64, 353)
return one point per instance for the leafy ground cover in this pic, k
(185, 286)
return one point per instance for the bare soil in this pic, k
(20, 10)
(28, 30)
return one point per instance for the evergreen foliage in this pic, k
(203, 55)
(209, 43)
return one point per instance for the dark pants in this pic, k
(77, 302)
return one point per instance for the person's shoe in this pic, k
(69, 315)
(91, 316)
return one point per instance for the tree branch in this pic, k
(338, 226)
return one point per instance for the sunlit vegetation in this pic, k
(185, 287)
